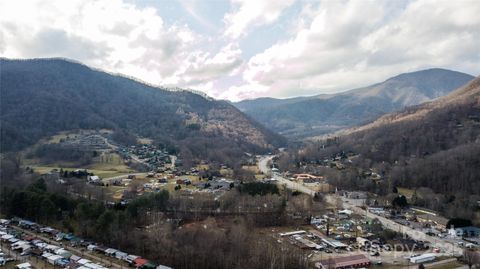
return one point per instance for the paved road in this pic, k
(434, 264)
(445, 246)
(263, 166)
(124, 176)
(173, 158)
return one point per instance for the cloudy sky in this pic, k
(242, 49)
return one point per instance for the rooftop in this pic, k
(343, 262)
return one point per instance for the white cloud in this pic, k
(203, 67)
(248, 14)
(245, 91)
(190, 7)
(329, 45)
(353, 43)
(115, 36)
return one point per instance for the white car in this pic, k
(4, 260)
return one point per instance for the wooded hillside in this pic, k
(44, 96)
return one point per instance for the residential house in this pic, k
(94, 179)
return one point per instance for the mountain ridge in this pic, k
(41, 97)
(329, 113)
(432, 149)
(461, 96)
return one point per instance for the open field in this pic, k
(116, 192)
(406, 192)
(226, 172)
(450, 265)
(145, 141)
(201, 167)
(106, 165)
(252, 168)
(62, 135)
(260, 176)
(57, 138)
(109, 158)
(102, 172)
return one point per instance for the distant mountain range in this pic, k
(41, 97)
(302, 117)
(431, 151)
(435, 144)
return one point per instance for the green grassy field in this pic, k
(108, 165)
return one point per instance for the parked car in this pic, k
(4, 260)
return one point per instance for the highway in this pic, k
(263, 166)
(446, 246)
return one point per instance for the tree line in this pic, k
(436, 155)
(149, 225)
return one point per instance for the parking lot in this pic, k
(34, 246)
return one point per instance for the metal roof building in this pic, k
(334, 243)
(354, 261)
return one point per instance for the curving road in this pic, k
(446, 246)
(263, 166)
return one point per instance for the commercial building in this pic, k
(354, 261)
(423, 258)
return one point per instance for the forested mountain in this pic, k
(310, 116)
(434, 146)
(41, 97)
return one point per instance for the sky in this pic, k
(245, 49)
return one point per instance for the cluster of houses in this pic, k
(57, 254)
(150, 155)
(217, 184)
(431, 223)
(86, 142)
(342, 231)
(317, 241)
